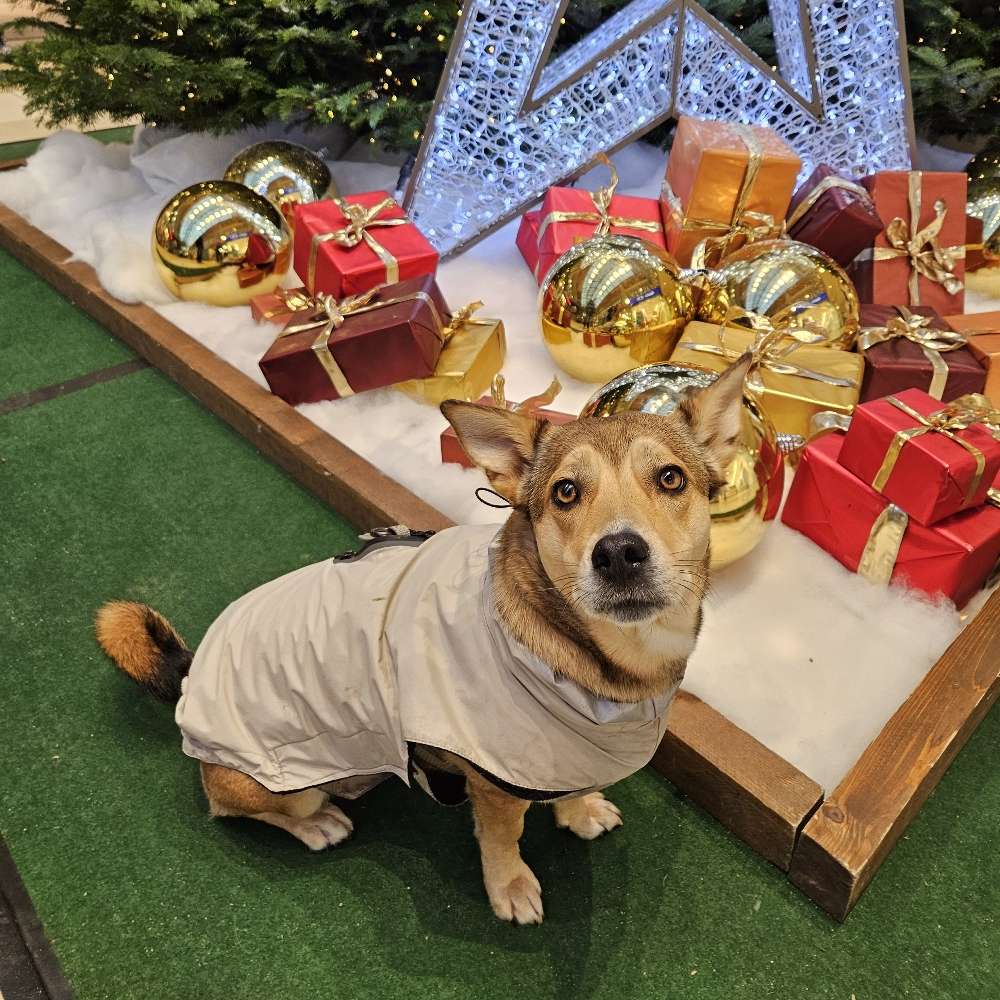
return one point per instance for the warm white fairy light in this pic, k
(487, 156)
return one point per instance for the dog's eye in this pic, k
(565, 492)
(672, 479)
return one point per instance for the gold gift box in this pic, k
(470, 360)
(789, 400)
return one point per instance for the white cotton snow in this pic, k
(808, 658)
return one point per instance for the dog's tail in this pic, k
(145, 646)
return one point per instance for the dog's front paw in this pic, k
(588, 816)
(323, 829)
(518, 898)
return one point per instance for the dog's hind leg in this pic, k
(588, 816)
(307, 815)
(511, 885)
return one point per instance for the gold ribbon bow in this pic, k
(958, 415)
(462, 316)
(290, 300)
(770, 350)
(330, 315)
(601, 214)
(920, 247)
(359, 220)
(532, 404)
(917, 330)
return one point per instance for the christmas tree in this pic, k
(373, 65)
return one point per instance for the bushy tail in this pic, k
(145, 646)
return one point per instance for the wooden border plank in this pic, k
(845, 842)
(751, 790)
(328, 469)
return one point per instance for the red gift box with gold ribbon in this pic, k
(345, 246)
(919, 257)
(931, 460)
(383, 336)
(876, 539)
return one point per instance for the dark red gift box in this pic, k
(899, 364)
(397, 335)
(933, 476)
(339, 256)
(834, 214)
(453, 452)
(841, 514)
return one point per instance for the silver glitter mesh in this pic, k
(497, 138)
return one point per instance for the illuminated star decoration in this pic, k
(506, 125)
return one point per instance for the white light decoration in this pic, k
(505, 125)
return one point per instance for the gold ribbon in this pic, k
(601, 214)
(332, 314)
(359, 220)
(532, 404)
(750, 225)
(920, 246)
(770, 350)
(878, 558)
(958, 415)
(917, 330)
(827, 184)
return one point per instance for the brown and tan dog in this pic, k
(600, 572)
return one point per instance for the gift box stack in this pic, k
(904, 495)
(370, 313)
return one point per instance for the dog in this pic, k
(534, 663)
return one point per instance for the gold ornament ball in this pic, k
(755, 477)
(221, 243)
(284, 173)
(792, 284)
(611, 303)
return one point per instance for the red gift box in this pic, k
(928, 208)
(279, 306)
(349, 245)
(903, 447)
(860, 528)
(907, 348)
(527, 241)
(834, 214)
(386, 336)
(571, 215)
(453, 452)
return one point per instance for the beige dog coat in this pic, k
(331, 671)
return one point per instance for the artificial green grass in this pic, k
(21, 150)
(42, 338)
(129, 489)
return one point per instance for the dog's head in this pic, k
(619, 505)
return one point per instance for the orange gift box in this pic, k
(983, 331)
(350, 245)
(720, 175)
(279, 307)
(923, 215)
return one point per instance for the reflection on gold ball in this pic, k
(611, 303)
(221, 243)
(755, 477)
(791, 283)
(284, 173)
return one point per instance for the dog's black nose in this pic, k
(619, 558)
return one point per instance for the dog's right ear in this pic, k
(501, 442)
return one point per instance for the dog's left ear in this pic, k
(715, 416)
(502, 443)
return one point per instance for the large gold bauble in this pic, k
(987, 208)
(284, 173)
(755, 477)
(612, 303)
(221, 243)
(793, 284)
